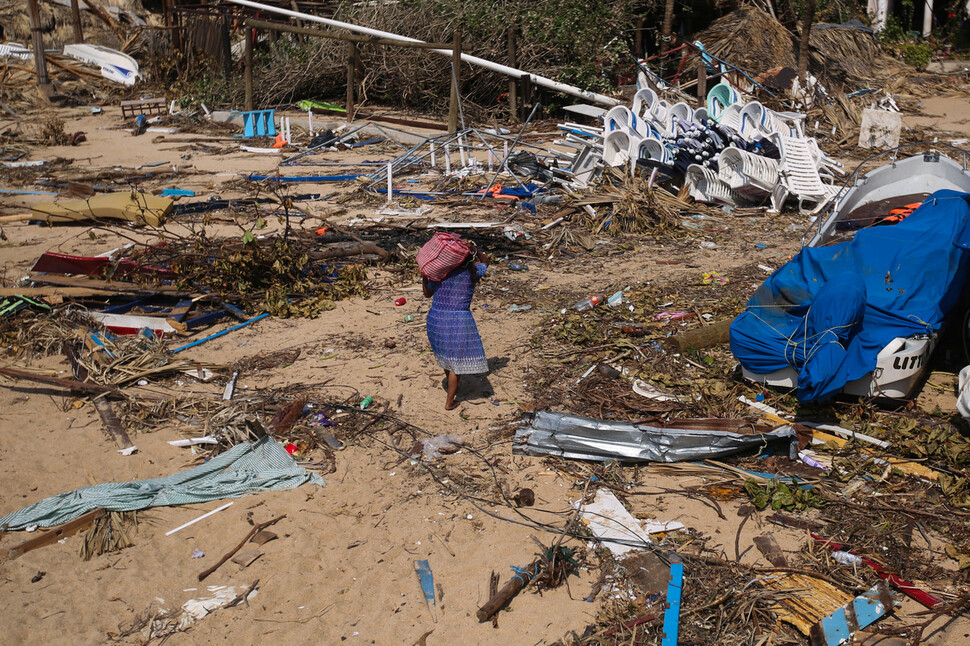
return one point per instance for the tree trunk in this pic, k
(803, 48)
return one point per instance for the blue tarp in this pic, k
(829, 311)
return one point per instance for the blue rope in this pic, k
(522, 571)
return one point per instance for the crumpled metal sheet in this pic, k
(582, 438)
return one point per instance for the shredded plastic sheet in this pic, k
(243, 469)
(582, 438)
(830, 310)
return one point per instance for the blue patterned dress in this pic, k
(451, 328)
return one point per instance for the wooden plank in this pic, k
(106, 285)
(769, 547)
(77, 292)
(53, 535)
(112, 423)
(70, 384)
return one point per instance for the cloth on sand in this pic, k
(245, 468)
(451, 328)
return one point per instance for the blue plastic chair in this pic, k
(259, 123)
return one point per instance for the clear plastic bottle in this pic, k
(589, 302)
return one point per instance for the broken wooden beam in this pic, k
(228, 555)
(112, 423)
(70, 384)
(53, 535)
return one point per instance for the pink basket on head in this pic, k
(442, 253)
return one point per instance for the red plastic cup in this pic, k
(291, 448)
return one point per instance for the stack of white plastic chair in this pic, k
(704, 185)
(800, 175)
(757, 121)
(750, 175)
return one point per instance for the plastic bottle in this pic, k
(589, 302)
(514, 266)
(366, 402)
(845, 558)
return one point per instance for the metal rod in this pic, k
(473, 60)
(509, 150)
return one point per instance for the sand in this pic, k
(343, 566)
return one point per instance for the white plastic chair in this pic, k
(654, 149)
(704, 185)
(731, 117)
(643, 101)
(620, 117)
(618, 146)
(753, 176)
(800, 176)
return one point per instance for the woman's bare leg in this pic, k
(453, 379)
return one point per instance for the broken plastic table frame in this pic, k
(441, 145)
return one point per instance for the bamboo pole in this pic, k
(455, 82)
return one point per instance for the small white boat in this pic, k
(901, 365)
(115, 66)
(874, 194)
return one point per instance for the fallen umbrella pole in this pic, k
(218, 334)
(228, 555)
(522, 578)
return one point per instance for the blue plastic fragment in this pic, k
(423, 568)
(672, 614)
(838, 627)
(178, 192)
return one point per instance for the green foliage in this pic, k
(779, 495)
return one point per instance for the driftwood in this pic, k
(508, 591)
(344, 249)
(112, 423)
(228, 555)
(703, 337)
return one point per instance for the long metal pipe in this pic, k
(473, 60)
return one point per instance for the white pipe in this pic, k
(474, 60)
(433, 164)
(447, 160)
(195, 520)
(927, 18)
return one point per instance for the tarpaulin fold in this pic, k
(829, 311)
(583, 438)
(243, 469)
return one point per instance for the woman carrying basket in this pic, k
(451, 328)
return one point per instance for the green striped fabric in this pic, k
(243, 469)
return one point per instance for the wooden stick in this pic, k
(705, 337)
(55, 534)
(508, 592)
(55, 381)
(232, 552)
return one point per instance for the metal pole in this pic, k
(513, 86)
(509, 151)
(468, 58)
(456, 79)
(40, 62)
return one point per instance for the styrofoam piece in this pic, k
(963, 393)
(608, 519)
(192, 441)
(880, 129)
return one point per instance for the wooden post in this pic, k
(455, 82)
(76, 15)
(513, 86)
(666, 27)
(226, 49)
(638, 39)
(351, 79)
(248, 71)
(803, 46)
(40, 62)
(701, 82)
(526, 81)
